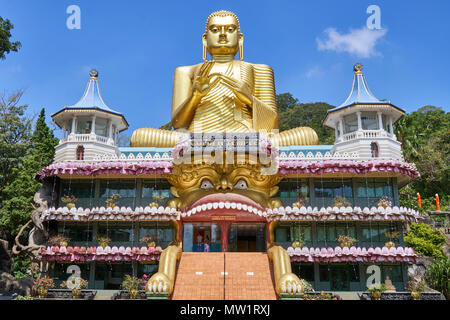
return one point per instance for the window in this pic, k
(370, 191)
(147, 269)
(81, 189)
(304, 270)
(101, 127)
(80, 153)
(84, 125)
(126, 190)
(327, 189)
(385, 119)
(162, 233)
(155, 191)
(117, 232)
(76, 233)
(293, 190)
(369, 121)
(374, 150)
(301, 232)
(324, 272)
(329, 232)
(350, 123)
(394, 271)
(354, 272)
(380, 232)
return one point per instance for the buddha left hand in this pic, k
(239, 88)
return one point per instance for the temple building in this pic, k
(228, 208)
(327, 191)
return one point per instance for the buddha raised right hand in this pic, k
(202, 81)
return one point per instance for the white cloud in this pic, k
(359, 42)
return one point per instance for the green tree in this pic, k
(16, 208)
(425, 137)
(15, 137)
(438, 276)
(425, 240)
(293, 114)
(6, 46)
(285, 101)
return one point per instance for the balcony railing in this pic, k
(366, 134)
(85, 137)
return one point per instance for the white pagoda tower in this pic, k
(90, 127)
(363, 124)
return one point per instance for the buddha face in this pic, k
(222, 36)
(194, 184)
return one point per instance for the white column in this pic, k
(64, 130)
(93, 124)
(74, 124)
(336, 134)
(358, 114)
(110, 129)
(341, 127)
(380, 121)
(391, 128)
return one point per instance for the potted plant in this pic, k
(300, 203)
(376, 290)
(158, 197)
(59, 240)
(42, 285)
(103, 240)
(153, 204)
(131, 285)
(346, 241)
(298, 244)
(340, 201)
(306, 286)
(385, 202)
(148, 239)
(391, 235)
(69, 201)
(416, 288)
(112, 201)
(76, 291)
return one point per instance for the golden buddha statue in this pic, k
(224, 94)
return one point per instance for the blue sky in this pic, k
(311, 45)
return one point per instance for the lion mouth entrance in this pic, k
(225, 203)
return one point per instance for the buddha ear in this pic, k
(204, 46)
(241, 46)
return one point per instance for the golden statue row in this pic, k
(224, 94)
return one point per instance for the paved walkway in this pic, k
(219, 276)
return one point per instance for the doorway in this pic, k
(247, 237)
(339, 278)
(201, 237)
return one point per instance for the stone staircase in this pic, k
(224, 276)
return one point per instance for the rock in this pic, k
(10, 285)
(417, 271)
(5, 257)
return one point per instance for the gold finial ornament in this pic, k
(94, 74)
(358, 68)
(224, 94)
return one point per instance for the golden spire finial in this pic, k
(94, 74)
(358, 68)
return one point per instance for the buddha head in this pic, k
(201, 183)
(223, 35)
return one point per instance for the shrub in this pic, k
(437, 276)
(425, 240)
